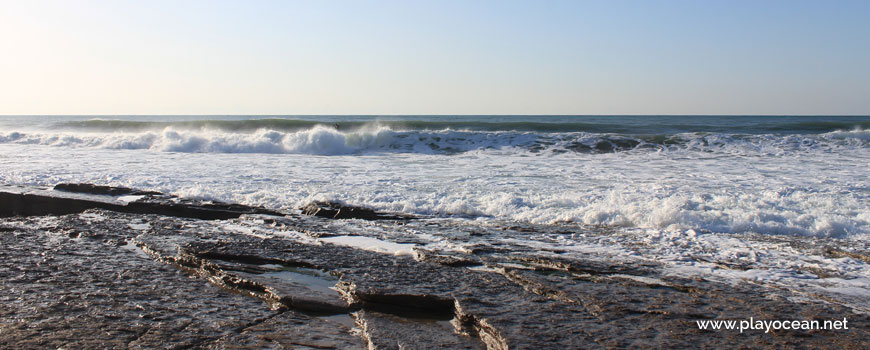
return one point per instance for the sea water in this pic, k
(681, 185)
(732, 174)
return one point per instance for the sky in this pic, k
(434, 57)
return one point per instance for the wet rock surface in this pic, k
(96, 290)
(105, 278)
(100, 190)
(76, 198)
(332, 210)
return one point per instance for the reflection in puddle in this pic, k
(342, 319)
(313, 279)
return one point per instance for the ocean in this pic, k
(692, 191)
(731, 174)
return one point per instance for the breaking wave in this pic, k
(322, 139)
(727, 181)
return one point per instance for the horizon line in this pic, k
(439, 115)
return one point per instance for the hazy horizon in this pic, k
(431, 115)
(104, 58)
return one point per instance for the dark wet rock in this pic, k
(290, 284)
(338, 211)
(26, 204)
(391, 332)
(311, 228)
(333, 210)
(357, 270)
(675, 306)
(537, 308)
(117, 279)
(294, 331)
(591, 267)
(455, 260)
(59, 292)
(212, 210)
(56, 203)
(100, 190)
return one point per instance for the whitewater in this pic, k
(784, 183)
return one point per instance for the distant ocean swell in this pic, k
(288, 125)
(320, 139)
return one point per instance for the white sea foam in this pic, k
(372, 244)
(811, 185)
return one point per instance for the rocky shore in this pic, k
(86, 266)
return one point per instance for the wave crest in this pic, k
(381, 138)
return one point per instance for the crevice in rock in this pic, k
(211, 269)
(409, 306)
(480, 328)
(538, 288)
(386, 331)
(209, 265)
(428, 308)
(238, 330)
(249, 259)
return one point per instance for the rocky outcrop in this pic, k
(35, 202)
(98, 291)
(112, 278)
(100, 190)
(331, 210)
(28, 204)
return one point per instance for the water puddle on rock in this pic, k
(343, 319)
(312, 279)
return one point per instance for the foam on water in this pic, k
(371, 244)
(784, 184)
(815, 194)
(319, 140)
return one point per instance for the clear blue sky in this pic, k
(434, 57)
